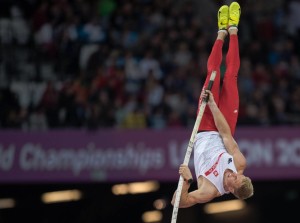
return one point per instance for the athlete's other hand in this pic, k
(208, 93)
(185, 172)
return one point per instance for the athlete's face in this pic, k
(235, 179)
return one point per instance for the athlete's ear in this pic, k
(231, 189)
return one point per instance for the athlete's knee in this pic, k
(231, 76)
(233, 67)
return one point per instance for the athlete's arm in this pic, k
(225, 132)
(189, 199)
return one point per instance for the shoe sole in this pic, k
(224, 7)
(234, 5)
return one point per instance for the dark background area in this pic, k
(273, 201)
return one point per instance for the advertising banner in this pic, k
(134, 155)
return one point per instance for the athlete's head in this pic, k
(240, 185)
(245, 190)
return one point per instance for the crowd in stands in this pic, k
(140, 63)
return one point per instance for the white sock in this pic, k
(223, 31)
(233, 27)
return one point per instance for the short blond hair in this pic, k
(245, 190)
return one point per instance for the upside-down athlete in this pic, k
(219, 163)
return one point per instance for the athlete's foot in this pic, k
(223, 17)
(234, 16)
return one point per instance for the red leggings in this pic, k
(228, 99)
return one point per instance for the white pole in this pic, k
(190, 149)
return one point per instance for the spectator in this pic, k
(111, 62)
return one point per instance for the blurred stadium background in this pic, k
(98, 99)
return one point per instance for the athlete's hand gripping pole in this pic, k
(190, 148)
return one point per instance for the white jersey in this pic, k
(211, 158)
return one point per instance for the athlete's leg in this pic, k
(213, 64)
(229, 97)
